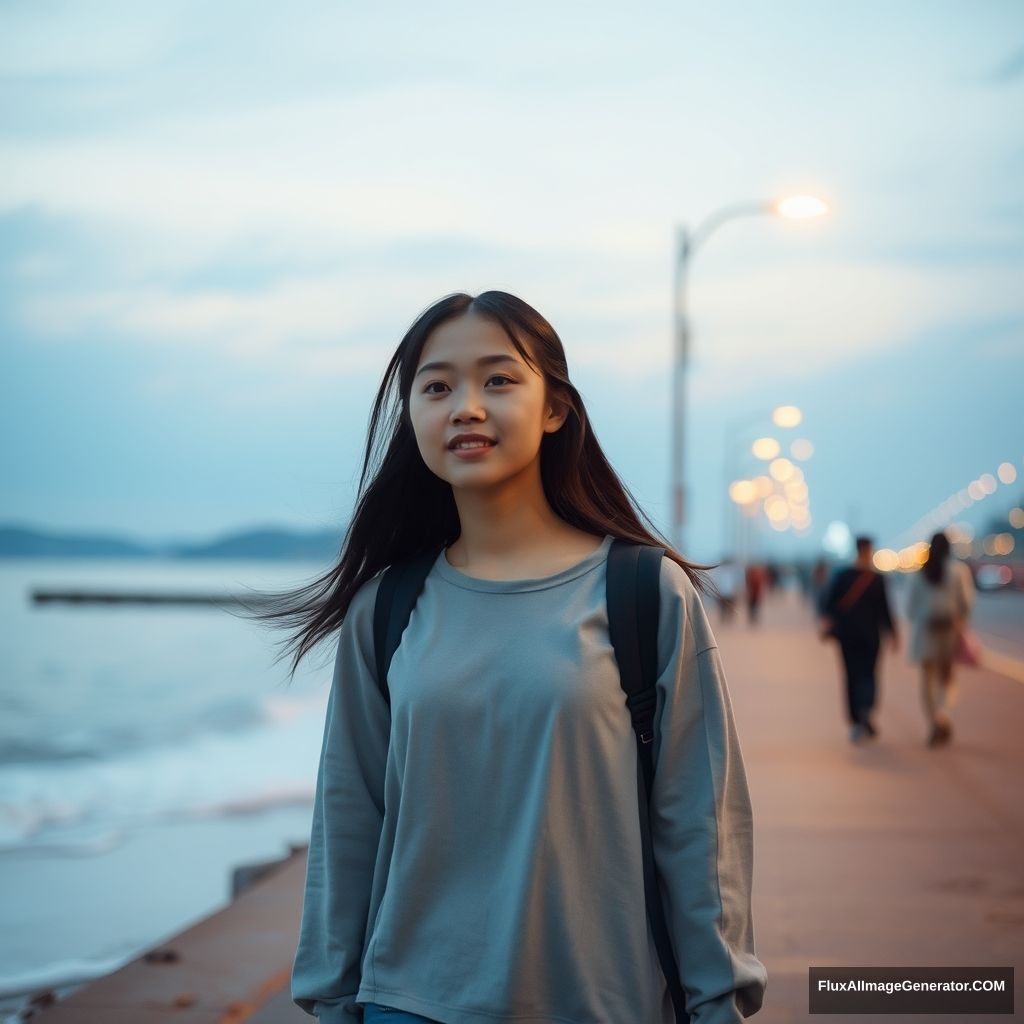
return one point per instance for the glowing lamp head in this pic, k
(801, 207)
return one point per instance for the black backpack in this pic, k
(633, 602)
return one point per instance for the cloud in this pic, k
(279, 322)
(751, 329)
(782, 325)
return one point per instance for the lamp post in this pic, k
(686, 243)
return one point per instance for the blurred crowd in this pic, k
(850, 603)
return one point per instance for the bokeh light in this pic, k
(781, 469)
(998, 544)
(886, 560)
(765, 448)
(742, 492)
(776, 508)
(787, 416)
(801, 449)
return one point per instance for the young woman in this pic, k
(939, 601)
(475, 853)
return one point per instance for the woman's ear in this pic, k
(557, 413)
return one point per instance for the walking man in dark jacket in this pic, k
(855, 611)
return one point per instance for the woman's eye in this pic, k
(496, 376)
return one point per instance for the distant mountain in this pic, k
(22, 542)
(317, 545)
(275, 544)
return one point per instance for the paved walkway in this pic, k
(877, 855)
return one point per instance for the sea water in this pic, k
(145, 751)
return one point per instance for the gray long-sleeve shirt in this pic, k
(476, 856)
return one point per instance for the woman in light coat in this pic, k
(939, 601)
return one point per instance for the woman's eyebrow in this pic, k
(504, 357)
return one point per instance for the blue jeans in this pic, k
(376, 1013)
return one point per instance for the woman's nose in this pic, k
(468, 405)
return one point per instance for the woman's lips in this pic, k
(472, 453)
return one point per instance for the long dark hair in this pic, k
(935, 565)
(406, 509)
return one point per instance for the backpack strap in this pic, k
(396, 596)
(633, 593)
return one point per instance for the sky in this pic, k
(217, 222)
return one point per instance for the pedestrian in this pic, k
(803, 573)
(940, 597)
(820, 578)
(727, 580)
(474, 852)
(855, 611)
(754, 586)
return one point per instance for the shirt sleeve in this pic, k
(348, 814)
(701, 819)
(967, 590)
(828, 600)
(914, 595)
(885, 620)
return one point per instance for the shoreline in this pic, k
(75, 924)
(235, 963)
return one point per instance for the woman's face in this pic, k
(502, 399)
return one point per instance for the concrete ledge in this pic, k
(234, 965)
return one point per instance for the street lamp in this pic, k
(687, 242)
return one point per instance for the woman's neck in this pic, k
(540, 553)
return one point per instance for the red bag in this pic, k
(968, 648)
